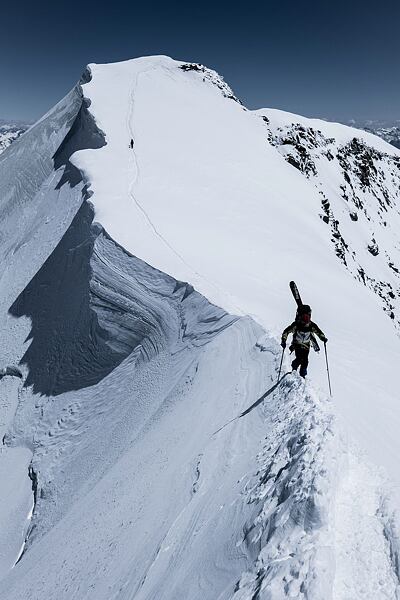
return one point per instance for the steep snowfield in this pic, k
(130, 373)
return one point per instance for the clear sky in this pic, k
(338, 60)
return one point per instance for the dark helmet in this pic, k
(304, 313)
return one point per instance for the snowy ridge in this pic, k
(126, 272)
(213, 77)
(289, 530)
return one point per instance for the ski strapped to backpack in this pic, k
(296, 294)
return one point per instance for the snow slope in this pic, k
(130, 371)
(241, 234)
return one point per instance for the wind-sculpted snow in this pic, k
(36, 200)
(129, 474)
(37, 204)
(68, 349)
(144, 317)
(288, 533)
(127, 471)
(92, 304)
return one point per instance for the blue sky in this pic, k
(338, 60)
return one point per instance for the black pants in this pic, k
(301, 359)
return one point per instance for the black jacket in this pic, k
(302, 333)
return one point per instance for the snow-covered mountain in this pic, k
(387, 130)
(358, 181)
(390, 134)
(10, 132)
(150, 225)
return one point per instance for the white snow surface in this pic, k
(248, 226)
(139, 490)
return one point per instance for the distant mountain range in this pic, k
(10, 131)
(387, 130)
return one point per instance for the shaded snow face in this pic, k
(67, 348)
(34, 211)
(105, 330)
(92, 304)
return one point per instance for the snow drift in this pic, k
(150, 224)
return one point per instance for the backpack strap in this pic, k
(314, 343)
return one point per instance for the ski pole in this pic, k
(280, 366)
(327, 370)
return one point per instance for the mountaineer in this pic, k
(303, 330)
